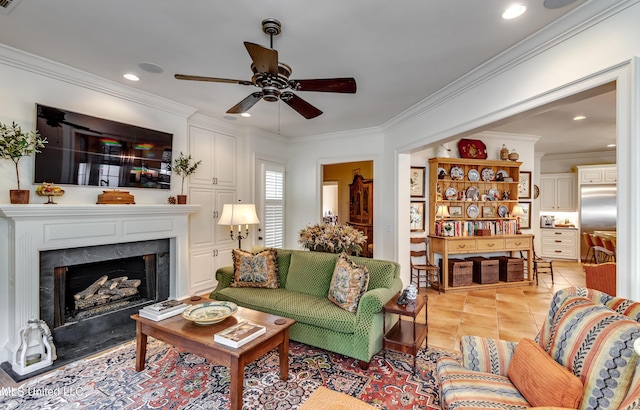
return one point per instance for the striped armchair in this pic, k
(587, 332)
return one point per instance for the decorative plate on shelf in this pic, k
(501, 175)
(451, 193)
(456, 173)
(493, 194)
(473, 175)
(442, 173)
(473, 211)
(473, 193)
(488, 174)
(208, 313)
(503, 211)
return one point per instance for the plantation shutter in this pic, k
(273, 214)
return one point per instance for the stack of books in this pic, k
(163, 310)
(239, 334)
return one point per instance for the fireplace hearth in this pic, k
(88, 294)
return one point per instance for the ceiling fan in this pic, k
(272, 77)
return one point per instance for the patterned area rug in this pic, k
(174, 379)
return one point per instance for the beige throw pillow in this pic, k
(348, 284)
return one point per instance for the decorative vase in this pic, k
(514, 155)
(504, 153)
(19, 196)
(182, 199)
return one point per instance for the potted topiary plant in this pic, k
(15, 144)
(183, 167)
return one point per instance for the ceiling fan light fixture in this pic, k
(515, 10)
(270, 93)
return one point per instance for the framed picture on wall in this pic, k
(417, 182)
(416, 215)
(524, 185)
(525, 220)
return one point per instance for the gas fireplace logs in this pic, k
(106, 290)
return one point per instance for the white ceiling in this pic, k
(399, 52)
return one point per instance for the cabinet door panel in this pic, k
(591, 176)
(201, 143)
(224, 162)
(202, 222)
(463, 245)
(222, 237)
(517, 243)
(610, 175)
(201, 271)
(490, 244)
(547, 194)
(565, 194)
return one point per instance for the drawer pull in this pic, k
(461, 246)
(558, 241)
(557, 251)
(491, 245)
(558, 233)
(518, 243)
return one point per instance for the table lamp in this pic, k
(442, 211)
(239, 214)
(517, 212)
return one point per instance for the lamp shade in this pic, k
(517, 211)
(442, 212)
(238, 214)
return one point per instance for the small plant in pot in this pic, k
(183, 167)
(15, 144)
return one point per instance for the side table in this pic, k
(405, 336)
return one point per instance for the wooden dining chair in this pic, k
(541, 265)
(420, 264)
(601, 253)
(601, 276)
(590, 251)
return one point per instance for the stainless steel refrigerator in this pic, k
(597, 210)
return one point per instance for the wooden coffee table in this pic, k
(197, 339)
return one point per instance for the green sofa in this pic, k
(304, 284)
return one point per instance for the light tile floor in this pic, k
(508, 314)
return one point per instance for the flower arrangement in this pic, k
(332, 238)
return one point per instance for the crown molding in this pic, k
(47, 68)
(582, 18)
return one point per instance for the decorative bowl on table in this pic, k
(208, 313)
(49, 190)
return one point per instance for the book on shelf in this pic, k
(162, 310)
(239, 334)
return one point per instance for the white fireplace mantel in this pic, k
(32, 228)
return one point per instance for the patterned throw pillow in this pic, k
(255, 270)
(596, 344)
(348, 284)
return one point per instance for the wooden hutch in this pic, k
(479, 196)
(361, 210)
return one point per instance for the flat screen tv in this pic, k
(85, 150)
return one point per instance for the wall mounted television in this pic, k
(86, 150)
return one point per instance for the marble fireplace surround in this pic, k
(39, 227)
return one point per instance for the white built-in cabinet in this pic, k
(558, 192)
(597, 174)
(211, 186)
(560, 243)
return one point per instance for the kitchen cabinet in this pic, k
(558, 192)
(560, 244)
(218, 154)
(597, 174)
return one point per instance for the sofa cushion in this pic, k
(311, 272)
(348, 284)
(303, 308)
(258, 270)
(487, 355)
(596, 344)
(381, 272)
(462, 388)
(541, 380)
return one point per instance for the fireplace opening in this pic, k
(88, 294)
(91, 289)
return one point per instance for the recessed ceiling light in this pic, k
(246, 114)
(514, 11)
(579, 117)
(611, 145)
(131, 77)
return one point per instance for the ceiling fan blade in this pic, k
(305, 109)
(264, 59)
(211, 79)
(328, 85)
(246, 104)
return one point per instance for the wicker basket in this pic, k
(511, 269)
(485, 270)
(460, 272)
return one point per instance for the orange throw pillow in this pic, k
(542, 380)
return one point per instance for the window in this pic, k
(272, 197)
